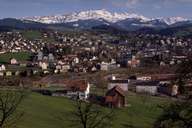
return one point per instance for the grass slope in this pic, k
(20, 56)
(44, 112)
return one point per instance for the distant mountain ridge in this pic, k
(98, 19)
(86, 15)
(94, 18)
(102, 14)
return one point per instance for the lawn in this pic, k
(44, 112)
(20, 56)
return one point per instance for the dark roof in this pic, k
(144, 83)
(119, 81)
(113, 91)
(163, 77)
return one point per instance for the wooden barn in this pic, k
(115, 98)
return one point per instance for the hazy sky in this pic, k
(149, 8)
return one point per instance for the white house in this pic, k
(14, 61)
(76, 60)
(107, 66)
(43, 65)
(2, 68)
(122, 83)
(147, 89)
(78, 89)
(150, 87)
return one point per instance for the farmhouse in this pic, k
(78, 89)
(72, 88)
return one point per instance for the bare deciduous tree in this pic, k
(88, 115)
(9, 101)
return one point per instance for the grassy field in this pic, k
(30, 35)
(44, 112)
(20, 56)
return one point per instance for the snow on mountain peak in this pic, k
(87, 15)
(110, 17)
(173, 20)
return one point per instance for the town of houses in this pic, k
(90, 53)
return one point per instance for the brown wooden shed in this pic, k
(115, 97)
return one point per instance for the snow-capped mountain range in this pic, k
(95, 20)
(101, 15)
(86, 15)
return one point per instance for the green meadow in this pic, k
(20, 56)
(54, 112)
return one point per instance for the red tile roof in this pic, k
(77, 85)
(73, 85)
